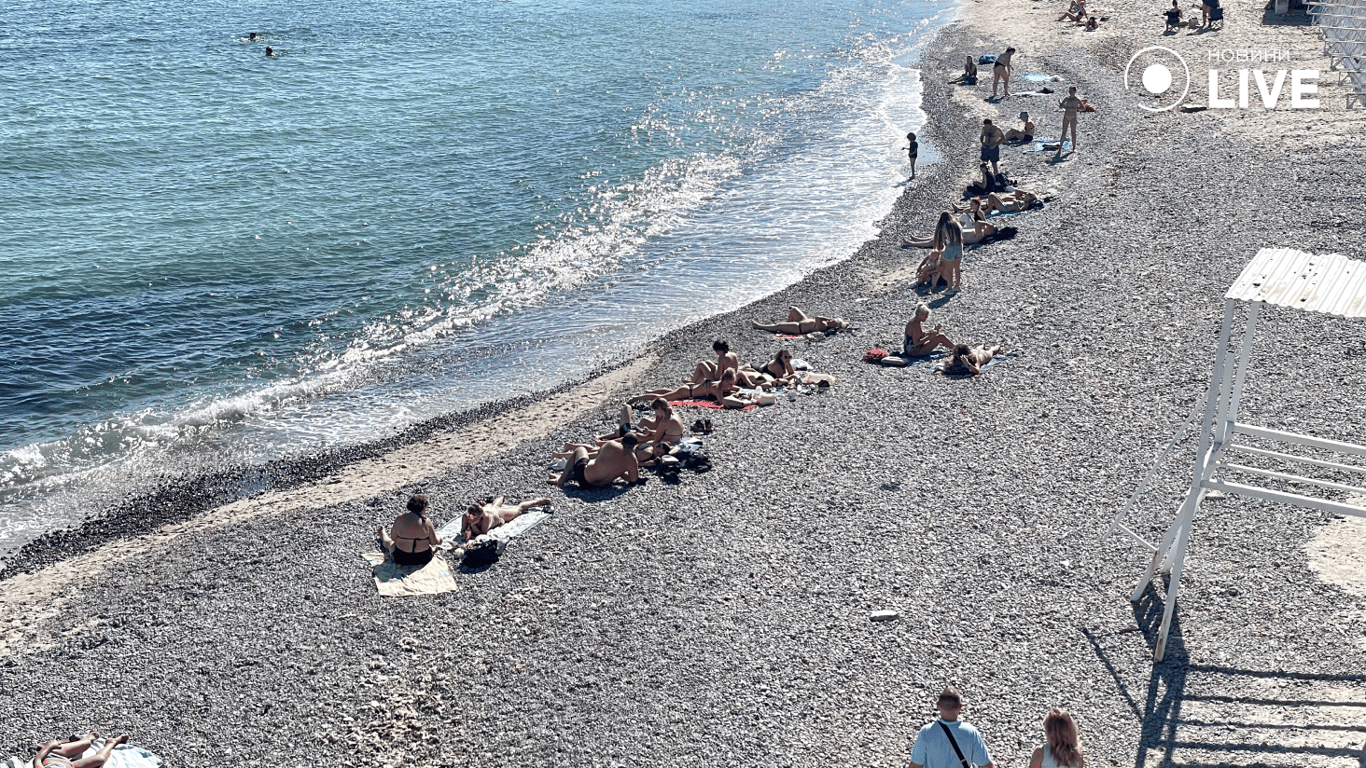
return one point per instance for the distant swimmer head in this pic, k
(270, 51)
(252, 36)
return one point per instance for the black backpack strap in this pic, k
(954, 742)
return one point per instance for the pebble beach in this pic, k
(725, 619)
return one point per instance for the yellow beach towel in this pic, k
(395, 580)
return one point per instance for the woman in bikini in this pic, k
(491, 512)
(920, 342)
(972, 223)
(1013, 202)
(720, 391)
(1001, 72)
(414, 536)
(799, 323)
(780, 367)
(968, 361)
(662, 432)
(969, 76)
(57, 754)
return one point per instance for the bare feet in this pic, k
(122, 739)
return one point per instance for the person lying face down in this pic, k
(414, 537)
(799, 323)
(721, 391)
(486, 514)
(613, 460)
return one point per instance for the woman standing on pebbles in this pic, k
(1063, 743)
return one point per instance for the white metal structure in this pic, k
(1278, 277)
(1344, 35)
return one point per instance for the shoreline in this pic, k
(725, 619)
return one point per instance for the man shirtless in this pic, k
(487, 514)
(615, 460)
(991, 139)
(1071, 106)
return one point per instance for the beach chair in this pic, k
(1343, 24)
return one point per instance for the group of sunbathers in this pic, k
(1077, 14)
(413, 539)
(921, 341)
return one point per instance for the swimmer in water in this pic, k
(252, 37)
(270, 51)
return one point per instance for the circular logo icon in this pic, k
(1154, 73)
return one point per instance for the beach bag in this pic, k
(483, 554)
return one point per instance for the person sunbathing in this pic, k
(920, 342)
(799, 323)
(930, 270)
(969, 76)
(1013, 202)
(1092, 24)
(662, 432)
(780, 367)
(1076, 13)
(720, 391)
(414, 537)
(1025, 135)
(58, 754)
(614, 460)
(972, 222)
(491, 512)
(968, 361)
(712, 369)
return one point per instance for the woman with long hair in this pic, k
(948, 241)
(1062, 747)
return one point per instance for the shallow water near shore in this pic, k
(217, 257)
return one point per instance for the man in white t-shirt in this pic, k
(934, 747)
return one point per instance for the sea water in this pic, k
(211, 256)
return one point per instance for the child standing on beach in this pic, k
(913, 151)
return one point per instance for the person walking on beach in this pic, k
(1062, 742)
(949, 742)
(992, 139)
(913, 151)
(1071, 107)
(1000, 73)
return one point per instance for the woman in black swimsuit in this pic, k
(414, 536)
(780, 367)
(1001, 72)
(800, 323)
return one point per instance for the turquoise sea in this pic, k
(213, 256)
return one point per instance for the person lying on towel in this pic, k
(968, 361)
(799, 323)
(613, 460)
(486, 514)
(58, 754)
(721, 391)
(414, 536)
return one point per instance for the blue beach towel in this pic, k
(987, 58)
(939, 369)
(1043, 78)
(1038, 147)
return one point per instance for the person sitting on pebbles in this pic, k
(920, 342)
(414, 538)
(968, 361)
(722, 391)
(799, 323)
(662, 432)
(712, 369)
(491, 512)
(1024, 136)
(613, 460)
(780, 369)
(58, 754)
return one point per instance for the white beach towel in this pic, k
(393, 580)
(124, 756)
(504, 533)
